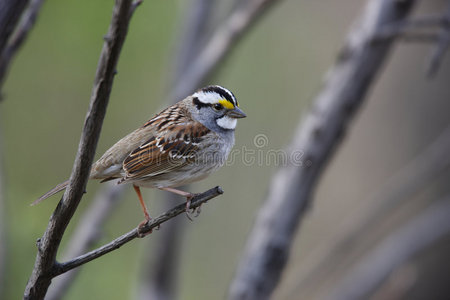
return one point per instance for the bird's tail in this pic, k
(56, 189)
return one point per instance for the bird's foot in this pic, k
(191, 212)
(141, 225)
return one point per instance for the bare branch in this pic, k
(159, 279)
(220, 44)
(160, 274)
(196, 202)
(410, 28)
(331, 256)
(441, 47)
(87, 233)
(192, 38)
(399, 247)
(3, 221)
(10, 12)
(48, 245)
(413, 31)
(27, 21)
(317, 137)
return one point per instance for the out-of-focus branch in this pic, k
(316, 138)
(48, 245)
(441, 47)
(332, 255)
(421, 232)
(192, 38)
(86, 234)
(196, 202)
(223, 39)
(10, 12)
(413, 31)
(16, 40)
(160, 272)
(3, 237)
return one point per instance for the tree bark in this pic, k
(45, 264)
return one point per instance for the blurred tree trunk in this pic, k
(316, 139)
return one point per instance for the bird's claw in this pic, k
(141, 234)
(190, 211)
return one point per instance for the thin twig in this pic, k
(196, 202)
(223, 39)
(87, 233)
(407, 28)
(48, 245)
(160, 273)
(317, 138)
(15, 42)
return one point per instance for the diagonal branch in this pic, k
(317, 137)
(16, 40)
(86, 234)
(48, 245)
(159, 279)
(3, 222)
(10, 12)
(223, 39)
(332, 256)
(442, 45)
(196, 202)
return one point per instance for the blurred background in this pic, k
(275, 72)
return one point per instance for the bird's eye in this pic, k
(217, 106)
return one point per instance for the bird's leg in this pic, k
(144, 209)
(188, 196)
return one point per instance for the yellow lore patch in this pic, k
(227, 104)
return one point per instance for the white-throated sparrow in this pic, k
(184, 143)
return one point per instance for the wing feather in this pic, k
(170, 150)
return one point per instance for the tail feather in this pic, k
(56, 189)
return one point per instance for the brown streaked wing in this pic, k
(165, 153)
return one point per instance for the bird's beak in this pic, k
(236, 113)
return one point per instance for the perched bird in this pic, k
(184, 143)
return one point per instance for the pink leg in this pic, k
(188, 196)
(144, 209)
(178, 192)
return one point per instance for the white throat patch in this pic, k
(227, 123)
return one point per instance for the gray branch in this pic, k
(87, 233)
(48, 245)
(402, 245)
(16, 40)
(10, 12)
(441, 47)
(317, 137)
(327, 261)
(160, 271)
(160, 268)
(196, 202)
(194, 69)
(223, 39)
(3, 221)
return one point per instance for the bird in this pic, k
(184, 143)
